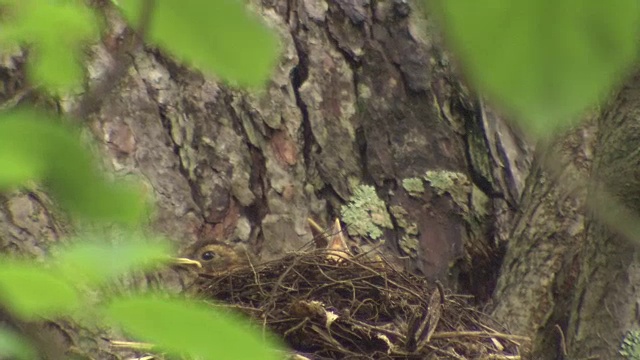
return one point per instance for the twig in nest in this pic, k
(297, 327)
(421, 334)
(450, 334)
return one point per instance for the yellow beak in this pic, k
(188, 262)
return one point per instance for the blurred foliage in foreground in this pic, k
(39, 147)
(545, 62)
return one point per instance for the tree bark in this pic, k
(535, 289)
(605, 305)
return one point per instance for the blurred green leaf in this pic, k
(34, 146)
(17, 167)
(218, 37)
(180, 325)
(31, 291)
(56, 32)
(12, 346)
(545, 61)
(93, 262)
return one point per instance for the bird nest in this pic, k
(351, 308)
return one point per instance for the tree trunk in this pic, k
(540, 268)
(364, 94)
(606, 304)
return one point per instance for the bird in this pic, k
(339, 246)
(332, 240)
(214, 257)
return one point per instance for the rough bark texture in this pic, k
(540, 269)
(362, 95)
(606, 298)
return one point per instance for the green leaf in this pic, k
(13, 346)
(31, 291)
(218, 37)
(94, 262)
(546, 61)
(180, 325)
(19, 165)
(56, 31)
(37, 147)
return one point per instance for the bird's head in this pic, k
(213, 257)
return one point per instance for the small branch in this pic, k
(450, 334)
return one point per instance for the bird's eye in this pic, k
(355, 250)
(207, 255)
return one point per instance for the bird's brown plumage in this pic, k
(217, 257)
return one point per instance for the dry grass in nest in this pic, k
(356, 308)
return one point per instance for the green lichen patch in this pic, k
(410, 245)
(414, 186)
(401, 215)
(456, 184)
(479, 201)
(630, 347)
(409, 241)
(446, 181)
(366, 213)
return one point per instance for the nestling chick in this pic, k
(216, 257)
(341, 246)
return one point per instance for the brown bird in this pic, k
(214, 257)
(339, 246)
(332, 240)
